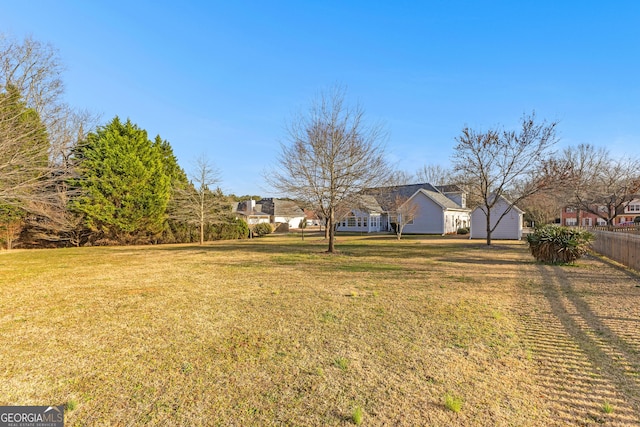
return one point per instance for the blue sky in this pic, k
(223, 77)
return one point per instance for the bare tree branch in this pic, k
(597, 183)
(331, 155)
(495, 163)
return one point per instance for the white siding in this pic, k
(429, 218)
(455, 220)
(509, 228)
(293, 222)
(362, 222)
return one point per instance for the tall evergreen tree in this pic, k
(126, 186)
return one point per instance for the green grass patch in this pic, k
(71, 405)
(453, 403)
(341, 362)
(357, 415)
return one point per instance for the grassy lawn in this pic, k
(273, 331)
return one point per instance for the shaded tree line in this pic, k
(64, 181)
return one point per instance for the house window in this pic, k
(351, 221)
(571, 221)
(569, 209)
(633, 208)
(364, 221)
(359, 222)
(601, 222)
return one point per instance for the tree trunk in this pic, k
(202, 217)
(488, 227)
(332, 232)
(9, 239)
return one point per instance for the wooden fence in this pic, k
(621, 247)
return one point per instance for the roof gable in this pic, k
(503, 200)
(443, 201)
(387, 196)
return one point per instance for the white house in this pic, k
(283, 212)
(366, 217)
(435, 210)
(280, 213)
(509, 227)
(250, 213)
(436, 214)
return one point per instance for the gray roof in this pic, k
(369, 204)
(441, 199)
(242, 208)
(505, 200)
(278, 207)
(386, 196)
(452, 188)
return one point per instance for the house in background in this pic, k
(282, 214)
(440, 210)
(366, 217)
(630, 212)
(313, 220)
(436, 210)
(250, 213)
(509, 227)
(569, 215)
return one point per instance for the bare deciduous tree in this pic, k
(502, 162)
(435, 175)
(34, 68)
(542, 207)
(331, 155)
(24, 150)
(405, 211)
(597, 183)
(200, 203)
(400, 177)
(37, 131)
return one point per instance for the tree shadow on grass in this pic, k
(586, 359)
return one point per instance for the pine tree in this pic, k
(126, 187)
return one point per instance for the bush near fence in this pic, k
(620, 247)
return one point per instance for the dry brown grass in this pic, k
(275, 332)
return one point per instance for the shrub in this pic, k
(554, 244)
(463, 230)
(233, 229)
(262, 229)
